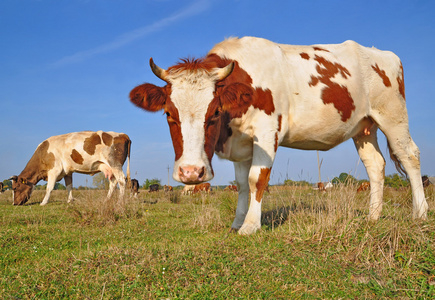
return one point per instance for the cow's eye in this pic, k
(168, 114)
(216, 113)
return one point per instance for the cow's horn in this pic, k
(224, 72)
(159, 72)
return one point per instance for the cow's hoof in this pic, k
(248, 229)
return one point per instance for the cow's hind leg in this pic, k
(368, 149)
(120, 178)
(405, 152)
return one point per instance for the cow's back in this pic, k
(83, 151)
(321, 93)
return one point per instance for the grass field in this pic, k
(312, 245)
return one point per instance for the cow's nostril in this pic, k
(201, 174)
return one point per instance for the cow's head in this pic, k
(22, 189)
(195, 100)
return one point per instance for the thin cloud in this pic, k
(192, 10)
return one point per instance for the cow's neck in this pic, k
(32, 176)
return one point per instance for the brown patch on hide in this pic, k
(174, 123)
(401, 82)
(212, 125)
(262, 183)
(333, 93)
(279, 122)
(319, 49)
(120, 149)
(90, 144)
(107, 139)
(276, 142)
(383, 75)
(77, 157)
(304, 55)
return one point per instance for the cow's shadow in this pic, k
(278, 216)
(275, 217)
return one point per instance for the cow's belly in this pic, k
(323, 136)
(89, 168)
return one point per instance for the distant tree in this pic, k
(233, 182)
(149, 182)
(40, 187)
(396, 181)
(344, 178)
(7, 184)
(59, 186)
(100, 181)
(290, 182)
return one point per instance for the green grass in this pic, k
(312, 246)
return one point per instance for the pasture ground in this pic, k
(312, 245)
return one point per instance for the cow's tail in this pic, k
(396, 161)
(128, 165)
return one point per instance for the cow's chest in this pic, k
(238, 146)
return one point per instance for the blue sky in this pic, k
(69, 66)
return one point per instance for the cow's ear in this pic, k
(148, 96)
(236, 96)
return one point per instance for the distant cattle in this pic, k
(153, 188)
(188, 189)
(1, 187)
(168, 188)
(85, 152)
(365, 186)
(231, 187)
(202, 187)
(321, 187)
(426, 181)
(248, 96)
(135, 187)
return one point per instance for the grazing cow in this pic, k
(188, 189)
(249, 95)
(321, 187)
(154, 188)
(135, 187)
(168, 188)
(1, 187)
(86, 152)
(365, 186)
(202, 187)
(231, 187)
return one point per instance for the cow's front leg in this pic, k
(259, 174)
(50, 186)
(242, 172)
(258, 181)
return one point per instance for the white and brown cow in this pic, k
(86, 152)
(249, 95)
(135, 187)
(188, 189)
(202, 187)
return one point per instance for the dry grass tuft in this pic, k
(94, 207)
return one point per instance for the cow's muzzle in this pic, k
(191, 174)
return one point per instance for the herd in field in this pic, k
(243, 100)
